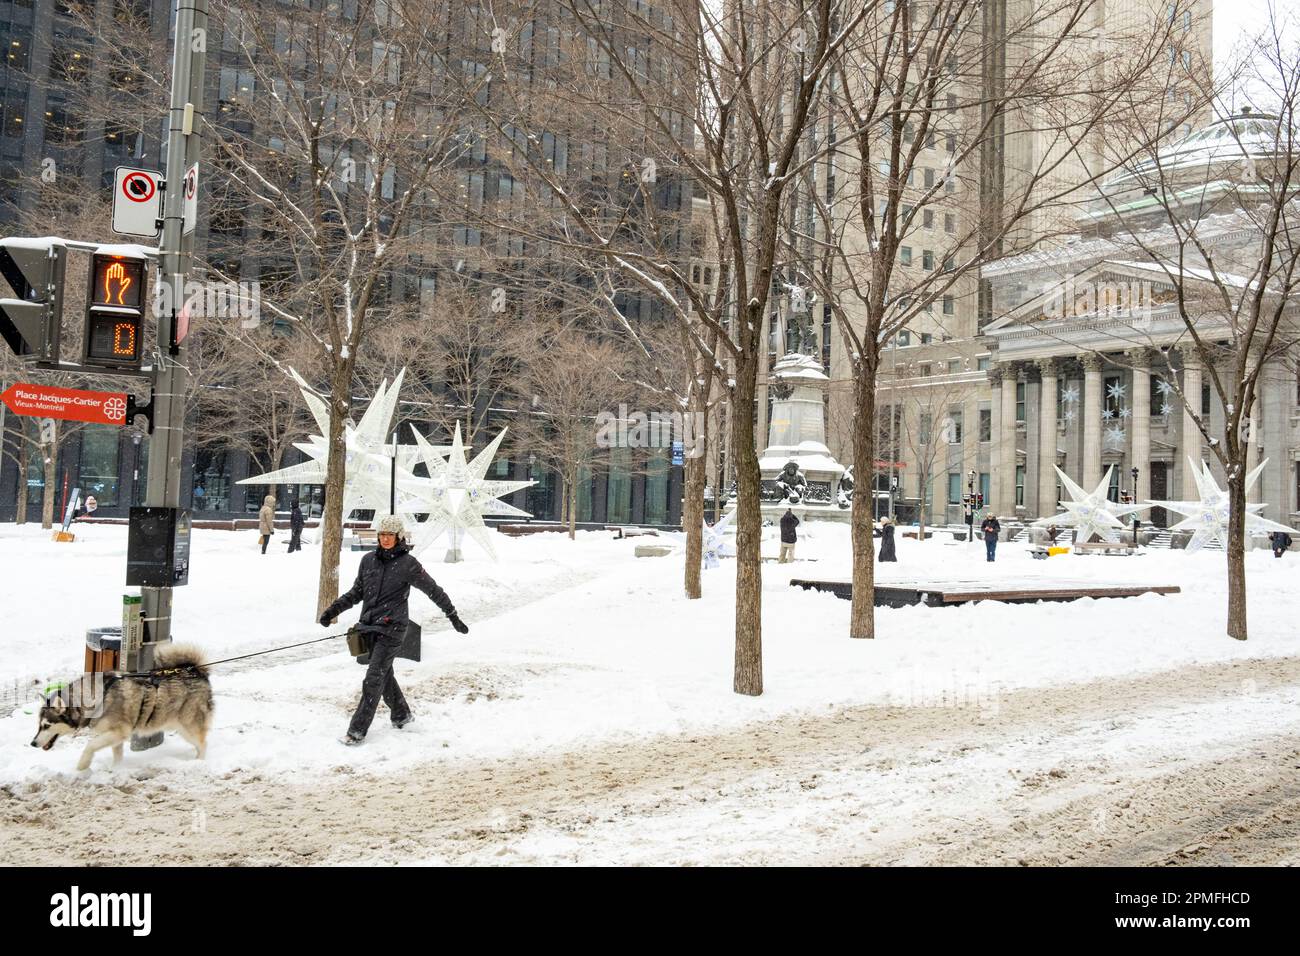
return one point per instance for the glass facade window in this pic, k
(1020, 485)
(984, 488)
(986, 424)
(97, 470)
(211, 483)
(618, 487)
(1020, 402)
(954, 488)
(656, 490)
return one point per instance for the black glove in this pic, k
(458, 624)
(327, 618)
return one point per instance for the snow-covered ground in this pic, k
(574, 643)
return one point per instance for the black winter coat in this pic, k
(296, 520)
(788, 523)
(991, 528)
(887, 552)
(384, 582)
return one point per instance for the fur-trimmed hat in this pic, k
(390, 524)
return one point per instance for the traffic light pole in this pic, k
(170, 378)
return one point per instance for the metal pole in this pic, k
(392, 480)
(170, 378)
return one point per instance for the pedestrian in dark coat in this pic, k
(991, 528)
(296, 523)
(1281, 542)
(383, 585)
(887, 552)
(789, 537)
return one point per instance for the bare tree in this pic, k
(566, 384)
(1230, 317)
(927, 99)
(722, 103)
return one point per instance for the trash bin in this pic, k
(103, 649)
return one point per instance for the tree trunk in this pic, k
(573, 509)
(1237, 556)
(693, 522)
(20, 506)
(748, 676)
(921, 516)
(331, 523)
(862, 620)
(51, 455)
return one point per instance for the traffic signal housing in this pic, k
(115, 307)
(30, 320)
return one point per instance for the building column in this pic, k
(1047, 438)
(1006, 446)
(1191, 444)
(1091, 464)
(1140, 405)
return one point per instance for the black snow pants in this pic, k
(380, 682)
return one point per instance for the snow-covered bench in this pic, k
(1103, 547)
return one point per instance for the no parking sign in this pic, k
(136, 201)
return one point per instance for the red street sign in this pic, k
(69, 404)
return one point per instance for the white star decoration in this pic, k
(1166, 409)
(716, 543)
(1069, 415)
(1208, 518)
(1125, 412)
(1107, 414)
(456, 495)
(1070, 395)
(1090, 513)
(368, 467)
(1114, 437)
(1116, 390)
(1163, 387)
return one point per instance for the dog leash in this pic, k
(167, 671)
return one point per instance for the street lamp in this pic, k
(970, 506)
(1136, 520)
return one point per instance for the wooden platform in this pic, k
(952, 593)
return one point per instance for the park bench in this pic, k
(1103, 547)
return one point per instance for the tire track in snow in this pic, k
(1018, 784)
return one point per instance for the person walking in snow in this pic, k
(266, 520)
(991, 529)
(887, 552)
(383, 585)
(296, 522)
(789, 537)
(1281, 542)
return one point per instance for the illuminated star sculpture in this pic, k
(716, 543)
(368, 468)
(456, 496)
(1208, 518)
(1114, 438)
(1091, 513)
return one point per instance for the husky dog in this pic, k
(176, 695)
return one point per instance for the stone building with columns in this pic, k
(1091, 364)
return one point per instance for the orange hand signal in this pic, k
(116, 272)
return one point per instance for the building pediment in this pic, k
(1105, 290)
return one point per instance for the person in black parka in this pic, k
(887, 552)
(991, 529)
(384, 582)
(789, 537)
(1281, 542)
(296, 522)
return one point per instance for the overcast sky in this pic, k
(1234, 20)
